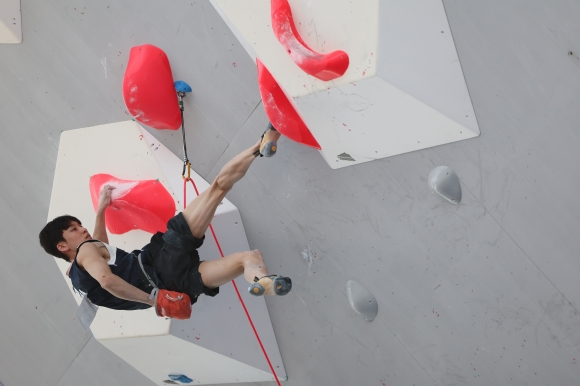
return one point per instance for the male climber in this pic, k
(113, 278)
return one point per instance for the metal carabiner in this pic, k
(188, 165)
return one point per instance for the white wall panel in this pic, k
(10, 22)
(361, 116)
(126, 151)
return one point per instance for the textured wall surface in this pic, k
(484, 293)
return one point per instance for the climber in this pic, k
(166, 273)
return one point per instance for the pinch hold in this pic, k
(135, 204)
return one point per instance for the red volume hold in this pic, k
(280, 110)
(144, 204)
(148, 88)
(324, 67)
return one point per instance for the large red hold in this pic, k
(280, 110)
(148, 88)
(322, 66)
(144, 205)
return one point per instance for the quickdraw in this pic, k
(182, 89)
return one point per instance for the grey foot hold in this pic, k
(444, 182)
(362, 301)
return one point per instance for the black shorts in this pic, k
(174, 257)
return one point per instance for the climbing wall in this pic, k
(378, 108)
(217, 344)
(482, 293)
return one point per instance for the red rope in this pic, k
(233, 282)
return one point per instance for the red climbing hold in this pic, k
(144, 205)
(280, 110)
(324, 67)
(148, 88)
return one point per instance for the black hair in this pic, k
(51, 235)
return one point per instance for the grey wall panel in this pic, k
(203, 52)
(453, 287)
(524, 167)
(204, 143)
(39, 337)
(314, 323)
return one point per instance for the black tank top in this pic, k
(123, 264)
